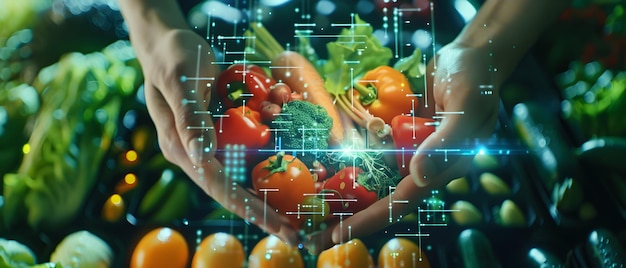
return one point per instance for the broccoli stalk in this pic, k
(304, 128)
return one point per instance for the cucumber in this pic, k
(475, 250)
(539, 258)
(603, 250)
(547, 141)
(155, 196)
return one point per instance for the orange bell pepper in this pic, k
(386, 92)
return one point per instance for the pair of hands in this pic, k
(461, 92)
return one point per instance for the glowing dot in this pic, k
(116, 199)
(26, 148)
(131, 155)
(130, 178)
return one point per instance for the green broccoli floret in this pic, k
(303, 127)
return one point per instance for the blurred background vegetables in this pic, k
(81, 97)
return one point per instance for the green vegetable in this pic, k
(604, 249)
(18, 15)
(476, 250)
(355, 52)
(82, 249)
(540, 258)
(414, 68)
(18, 103)
(594, 99)
(493, 184)
(465, 213)
(82, 96)
(15, 254)
(304, 127)
(568, 195)
(511, 215)
(485, 161)
(458, 186)
(167, 200)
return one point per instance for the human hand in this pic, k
(178, 76)
(464, 88)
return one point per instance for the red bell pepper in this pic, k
(344, 192)
(241, 126)
(244, 84)
(408, 132)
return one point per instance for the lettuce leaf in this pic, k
(356, 51)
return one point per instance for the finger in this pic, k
(186, 92)
(321, 240)
(213, 181)
(448, 152)
(384, 212)
(163, 120)
(426, 107)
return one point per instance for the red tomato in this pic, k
(280, 93)
(269, 111)
(344, 194)
(284, 181)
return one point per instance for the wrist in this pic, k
(506, 29)
(149, 20)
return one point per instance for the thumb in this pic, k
(188, 95)
(444, 155)
(193, 121)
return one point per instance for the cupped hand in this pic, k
(179, 72)
(464, 87)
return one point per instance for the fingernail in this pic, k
(336, 235)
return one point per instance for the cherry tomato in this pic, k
(280, 93)
(284, 181)
(161, 247)
(272, 252)
(219, 250)
(344, 194)
(402, 252)
(269, 111)
(350, 254)
(314, 210)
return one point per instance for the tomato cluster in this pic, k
(289, 186)
(167, 247)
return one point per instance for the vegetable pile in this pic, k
(81, 96)
(326, 137)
